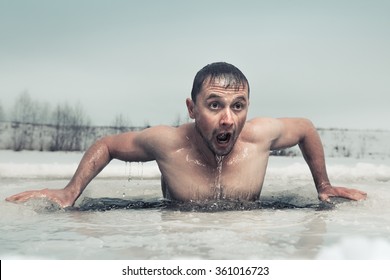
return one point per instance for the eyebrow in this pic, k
(242, 98)
(215, 95)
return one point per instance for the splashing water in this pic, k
(106, 204)
(217, 183)
(129, 176)
(137, 173)
(134, 173)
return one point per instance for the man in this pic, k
(218, 156)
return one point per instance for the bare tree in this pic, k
(42, 134)
(23, 118)
(24, 110)
(71, 126)
(120, 123)
(2, 113)
(80, 126)
(43, 113)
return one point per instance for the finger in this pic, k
(359, 196)
(17, 197)
(24, 196)
(342, 192)
(350, 193)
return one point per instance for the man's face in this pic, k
(219, 114)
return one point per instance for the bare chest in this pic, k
(188, 177)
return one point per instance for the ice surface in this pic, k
(349, 230)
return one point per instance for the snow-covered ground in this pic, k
(35, 164)
(352, 143)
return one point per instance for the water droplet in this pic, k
(217, 183)
(141, 170)
(128, 170)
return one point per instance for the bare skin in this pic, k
(219, 156)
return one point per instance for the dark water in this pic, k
(106, 204)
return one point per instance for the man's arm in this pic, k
(303, 133)
(130, 146)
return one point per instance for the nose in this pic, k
(227, 118)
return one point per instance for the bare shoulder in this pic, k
(279, 132)
(262, 129)
(164, 132)
(264, 122)
(274, 127)
(158, 130)
(148, 144)
(163, 139)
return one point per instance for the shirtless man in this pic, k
(220, 155)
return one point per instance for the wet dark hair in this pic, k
(233, 76)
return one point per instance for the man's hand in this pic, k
(327, 191)
(61, 197)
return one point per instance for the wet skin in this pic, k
(222, 160)
(218, 156)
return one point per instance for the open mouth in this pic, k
(223, 138)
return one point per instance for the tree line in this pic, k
(36, 125)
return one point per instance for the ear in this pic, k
(190, 107)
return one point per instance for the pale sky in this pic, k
(326, 60)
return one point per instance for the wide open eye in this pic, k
(238, 106)
(214, 105)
